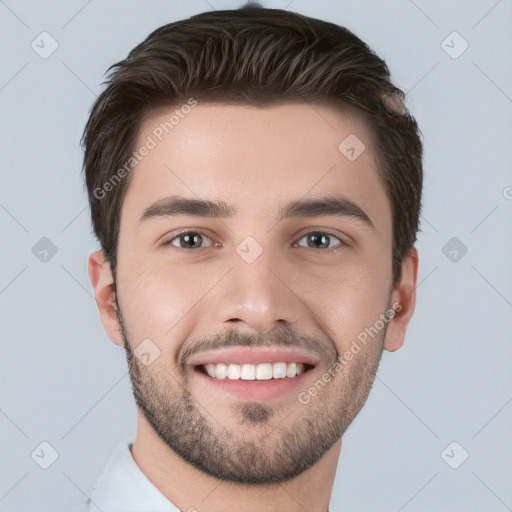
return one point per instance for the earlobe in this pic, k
(102, 279)
(403, 301)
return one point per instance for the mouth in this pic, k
(253, 374)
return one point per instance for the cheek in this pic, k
(154, 298)
(348, 300)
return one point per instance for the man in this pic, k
(255, 183)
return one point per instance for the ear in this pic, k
(404, 297)
(102, 281)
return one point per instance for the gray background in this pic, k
(64, 382)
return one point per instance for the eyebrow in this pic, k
(339, 206)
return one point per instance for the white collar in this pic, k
(123, 487)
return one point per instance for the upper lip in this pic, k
(237, 355)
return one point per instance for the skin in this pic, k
(257, 160)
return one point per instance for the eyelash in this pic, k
(168, 243)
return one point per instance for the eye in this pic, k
(189, 240)
(320, 240)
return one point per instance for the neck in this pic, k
(190, 489)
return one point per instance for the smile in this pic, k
(262, 371)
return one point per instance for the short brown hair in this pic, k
(260, 57)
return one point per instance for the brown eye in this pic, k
(189, 240)
(320, 240)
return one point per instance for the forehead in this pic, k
(257, 158)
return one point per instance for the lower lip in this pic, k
(259, 390)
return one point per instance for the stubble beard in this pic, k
(265, 446)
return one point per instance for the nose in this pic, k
(258, 296)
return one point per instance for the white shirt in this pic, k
(123, 487)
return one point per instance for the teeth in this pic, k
(234, 371)
(262, 371)
(279, 370)
(291, 370)
(248, 372)
(217, 370)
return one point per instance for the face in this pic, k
(238, 314)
